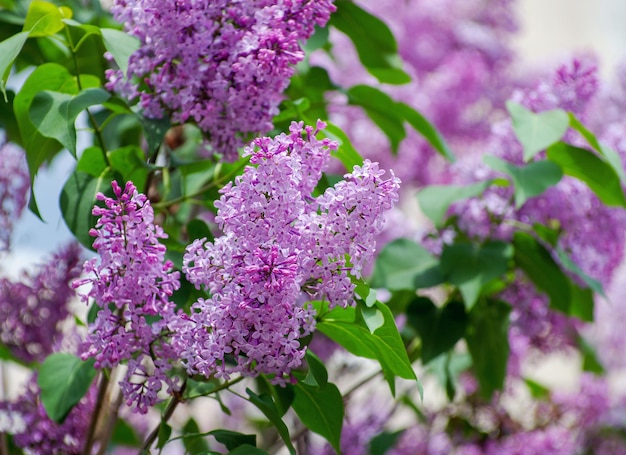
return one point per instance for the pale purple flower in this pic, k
(132, 284)
(221, 64)
(592, 234)
(32, 309)
(33, 431)
(280, 247)
(14, 186)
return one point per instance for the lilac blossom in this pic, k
(32, 430)
(458, 55)
(14, 186)
(221, 64)
(280, 247)
(131, 283)
(31, 310)
(591, 233)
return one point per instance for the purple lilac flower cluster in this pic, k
(14, 185)
(222, 64)
(31, 310)
(32, 430)
(458, 54)
(592, 234)
(131, 283)
(280, 247)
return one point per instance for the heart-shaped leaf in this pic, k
(536, 132)
(530, 180)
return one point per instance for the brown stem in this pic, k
(176, 399)
(102, 391)
(107, 431)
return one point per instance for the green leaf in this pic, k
(39, 149)
(581, 303)
(591, 361)
(9, 50)
(373, 318)
(155, 130)
(321, 410)
(530, 180)
(572, 267)
(54, 114)
(435, 200)
(130, 163)
(246, 449)
(597, 173)
(537, 391)
(124, 434)
(488, 343)
(447, 368)
(374, 42)
(77, 200)
(380, 444)
(197, 389)
(232, 439)
(439, 328)
(537, 263)
(193, 440)
(403, 264)
(165, 431)
(384, 345)
(317, 371)
(426, 129)
(198, 229)
(381, 109)
(64, 379)
(45, 19)
(611, 156)
(346, 153)
(470, 266)
(121, 45)
(266, 405)
(537, 131)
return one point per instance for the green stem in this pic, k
(213, 184)
(92, 119)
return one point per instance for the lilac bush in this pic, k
(221, 64)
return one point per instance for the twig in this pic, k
(102, 391)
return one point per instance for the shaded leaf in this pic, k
(439, 328)
(346, 153)
(538, 265)
(426, 129)
(471, 266)
(232, 439)
(374, 42)
(611, 156)
(321, 410)
(54, 114)
(381, 109)
(597, 173)
(403, 264)
(488, 343)
(266, 405)
(77, 200)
